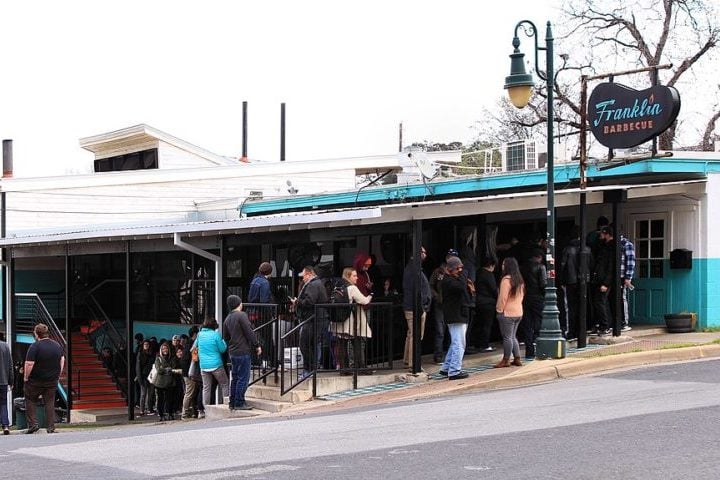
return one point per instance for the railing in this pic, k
(107, 335)
(29, 311)
(295, 367)
(348, 339)
(265, 325)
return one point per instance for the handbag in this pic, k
(153, 375)
(194, 369)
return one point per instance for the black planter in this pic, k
(680, 322)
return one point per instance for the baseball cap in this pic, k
(452, 253)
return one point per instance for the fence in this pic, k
(348, 339)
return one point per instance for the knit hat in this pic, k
(265, 268)
(233, 301)
(452, 253)
(453, 262)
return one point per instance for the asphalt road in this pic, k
(656, 422)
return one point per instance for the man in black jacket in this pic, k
(313, 292)
(241, 341)
(535, 277)
(456, 310)
(602, 279)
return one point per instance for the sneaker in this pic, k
(594, 332)
(443, 373)
(438, 360)
(489, 349)
(244, 406)
(51, 430)
(626, 328)
(458, 376)
(33, 429)
(201, 414)
(6, 430)
(231, 407)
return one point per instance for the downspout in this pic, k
(178, 242)
(7, 161)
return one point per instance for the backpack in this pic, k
(339, 294)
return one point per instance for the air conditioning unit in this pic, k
(523, 155)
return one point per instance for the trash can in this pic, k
(21, 415)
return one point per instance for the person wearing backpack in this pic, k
(354, 330)
(569, 280)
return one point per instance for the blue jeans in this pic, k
(4, 420)
(239, 379)
(454, 357)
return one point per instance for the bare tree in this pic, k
(602, 36)
(645, 33)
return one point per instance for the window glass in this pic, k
(656, 248)
(642, 249)
(642, 229)
(657, 228)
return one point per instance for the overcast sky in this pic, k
(349, 72)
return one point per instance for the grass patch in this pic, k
(716, 341)
(710, 329)
(677, 345)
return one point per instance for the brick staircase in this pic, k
(93, 387)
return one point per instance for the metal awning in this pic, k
(343, 217)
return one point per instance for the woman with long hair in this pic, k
(510, 311)
(164, 383)
(211, 347)
(354, 330)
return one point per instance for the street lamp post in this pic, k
(550, 343)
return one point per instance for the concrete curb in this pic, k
(537, 372)
(542, 371)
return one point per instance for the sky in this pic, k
(349, 73)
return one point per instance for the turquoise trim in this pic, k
(160, 330)
(24, 338)
(688, 290)
(489, 185)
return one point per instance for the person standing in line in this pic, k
(535, 278)
(44, 364)
(362, 263)
(436, 279)
(456, 310)
(602, 281)
(259, 292)
(627, 271)
(211, 347)
(143, 366)
(241, 340)
(509, 309)
(485, 299)
(414, 278)
(354, 330)
(164, 383)
(313, 292)
(7, 380)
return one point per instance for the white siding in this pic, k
(170, 157)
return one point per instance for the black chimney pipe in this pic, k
(282, 132)
(7, 152)
(244, 134)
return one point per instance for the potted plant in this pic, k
(682, 322)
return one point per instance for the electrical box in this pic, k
(681, 258)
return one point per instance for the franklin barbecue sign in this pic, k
(621, 117)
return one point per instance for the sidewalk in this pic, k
(640, 346)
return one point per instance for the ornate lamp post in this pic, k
(519, 84)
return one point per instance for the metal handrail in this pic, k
(45, 317)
